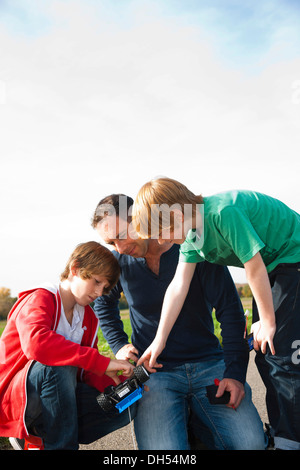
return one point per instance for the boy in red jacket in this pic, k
(50, 367)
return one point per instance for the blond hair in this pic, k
(90, 259)
(159, 199)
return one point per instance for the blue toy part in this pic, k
(130, 399)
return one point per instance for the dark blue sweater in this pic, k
(192, 338)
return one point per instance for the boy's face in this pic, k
(171, 239)
(176, 232)
(85, 291)
(176, 235)
(120, 234)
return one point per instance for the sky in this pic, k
(99, 96)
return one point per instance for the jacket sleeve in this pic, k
(108, 313)
(222, 295)
(96, 381)
(40, 343)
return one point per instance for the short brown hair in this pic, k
(91, 258)
(161, 193)
(114, 204)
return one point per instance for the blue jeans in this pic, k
(175, 395)
(65, 413)
(281, 372)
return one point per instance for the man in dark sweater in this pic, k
(193, 357)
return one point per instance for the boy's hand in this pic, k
(259, 283)
(115, 366)
(148, 359)
(263, 336)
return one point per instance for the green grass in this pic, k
(103, 345)
(4, 444)
(105, 349)
(247, 304)
(2, 326)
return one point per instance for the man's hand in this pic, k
(128, 352)
(116, 366)
(236, 390)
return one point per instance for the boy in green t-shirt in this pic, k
(244, 229)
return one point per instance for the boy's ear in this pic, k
(74, 269)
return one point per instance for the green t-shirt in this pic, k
(239, 224)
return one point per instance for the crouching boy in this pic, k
(50, 369)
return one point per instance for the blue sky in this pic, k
(240, 30)
(99, 96)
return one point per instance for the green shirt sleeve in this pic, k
(239, 233)
(188, 252)
(190, 256)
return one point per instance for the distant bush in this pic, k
(6, 302)
(244, 290)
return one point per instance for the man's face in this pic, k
(119, 233)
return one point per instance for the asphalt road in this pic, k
(123, 439)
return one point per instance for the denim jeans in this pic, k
(179, 394)
(65, 413)
(281, 372)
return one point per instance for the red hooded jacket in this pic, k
(30, 335)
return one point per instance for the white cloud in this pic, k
(101, 100)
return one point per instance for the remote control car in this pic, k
(123, 395)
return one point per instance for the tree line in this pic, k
(243, 290)
(7, 301)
